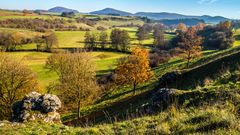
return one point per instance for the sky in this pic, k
(226, 8)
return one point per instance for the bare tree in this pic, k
(16, 80)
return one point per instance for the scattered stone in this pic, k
(35, 106)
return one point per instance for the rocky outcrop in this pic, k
(35, 106)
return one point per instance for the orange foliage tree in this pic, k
(134, 69)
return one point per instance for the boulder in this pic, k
(35, 106)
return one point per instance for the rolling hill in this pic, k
(111, 11)
(61, 10)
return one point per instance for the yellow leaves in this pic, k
(134, 69)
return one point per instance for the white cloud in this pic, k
(207, 1)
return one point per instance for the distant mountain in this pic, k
(111, 11)
(213, 19)
(174, 16)
(163, 15)
(61, 10)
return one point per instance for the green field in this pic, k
(105, 61)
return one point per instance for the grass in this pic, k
(70, 39)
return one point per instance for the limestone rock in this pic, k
(50, 103)
(35, 106)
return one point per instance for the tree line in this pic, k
(119, 40)
(40, 25)
(9, 41)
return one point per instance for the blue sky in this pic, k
(227, 8)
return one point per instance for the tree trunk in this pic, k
(188, 59)
(79, 109)
(188, 62)
(134, 88)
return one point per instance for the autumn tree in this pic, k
(190, 44)
(103, 38)
(77, 78)
(182, 27)
(51, 41)
(16, 80)
(120, 40)
(134, 69)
